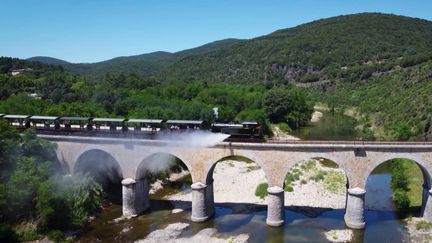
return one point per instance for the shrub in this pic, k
(319, 176)
(284, 127)
(27, 234)
(310, 164)
(56, 235)
(288, 188)
(401, 199)
(66, 202)
(261, 190)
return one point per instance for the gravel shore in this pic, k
(236, 182)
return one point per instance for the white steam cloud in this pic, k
(196, 138)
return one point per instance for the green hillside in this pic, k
(348, 48)
(379, 63)
(141, 65)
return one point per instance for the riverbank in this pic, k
(173, 232)
(235, 182)
(420, 231)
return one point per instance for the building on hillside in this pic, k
(19, 71)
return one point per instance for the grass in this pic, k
(415, 184)
(424, 225)
(319, 176)
(308, 165)
(335, 182)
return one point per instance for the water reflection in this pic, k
(332, 126)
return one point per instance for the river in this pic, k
(382, 223)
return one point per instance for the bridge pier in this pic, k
(210, 199)
(275, 206)
(202, 201)
(427, 204)
(354, 212)
(135, 196)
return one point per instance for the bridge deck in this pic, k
(266, 145)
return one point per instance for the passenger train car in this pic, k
(141, 128)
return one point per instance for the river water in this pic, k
(382, 223)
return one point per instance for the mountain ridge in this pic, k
(142, 64)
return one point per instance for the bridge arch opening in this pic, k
(237, 179)
(316, 182)
(168, 176)
(399, 186)
(104, 169)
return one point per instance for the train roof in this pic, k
(149, 121)
(186, 122)
(109, 119)
(16, 116)
(250, 123)
(1, 115)
(74, 118)
(226, 125)
(44, 117)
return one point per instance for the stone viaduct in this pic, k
(356, 159)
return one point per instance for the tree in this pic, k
(288, 105)
(9, 141)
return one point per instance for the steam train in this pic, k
(140, 128)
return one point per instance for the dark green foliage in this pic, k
(27, 234)
(9, 140)
(284, 127)
(401, 199)
(399, 184)
(65, 202)
(7, 234)
(56, 235)
(288, 105)
(399, 177)
(34, 188)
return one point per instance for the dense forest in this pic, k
(60, 93)
(35, 189)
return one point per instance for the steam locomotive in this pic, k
(140, 128)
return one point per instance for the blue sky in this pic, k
(96, 30)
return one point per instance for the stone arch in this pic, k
(413, 159)
(104, 168)
(252, 158)
(158, 161)
(336, 161)
(418, 161)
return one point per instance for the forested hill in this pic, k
(141, 65)
(350, 48)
